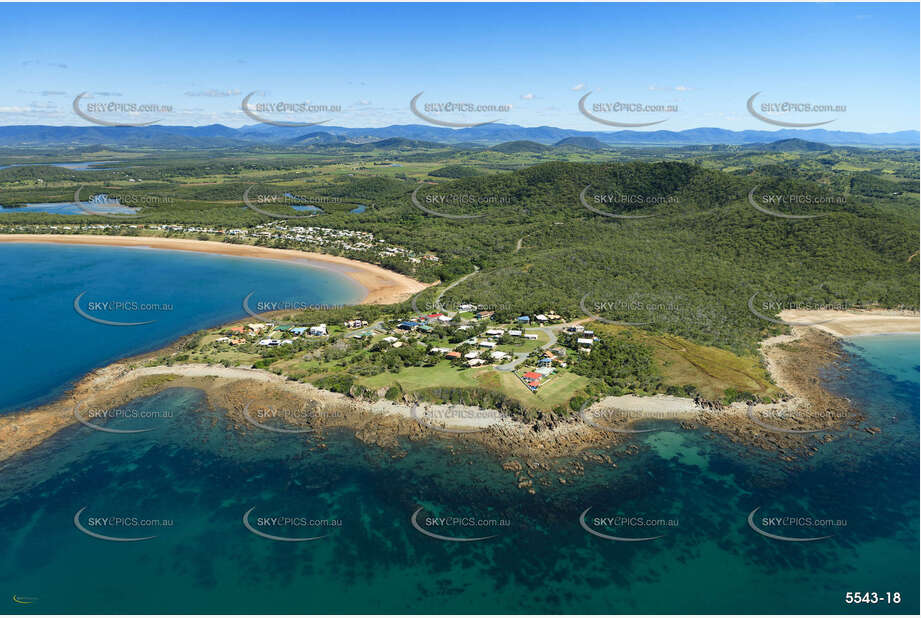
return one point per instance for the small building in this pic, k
(473, 362)
(498, 355)
(407, 325)
(541, 317)
(466, 307)
(453, 355)
(487, 344)
(319, 330)
(470, 355)
(444, 319)
(484, 315)
(544, 371)
(515, 333)
(586, 341)
(532, 375)
(524, 319)
(269, 342)
(495, 332)
(236, 329)
(530, 336)
(389, 339)
(298, 330)
(439, 350)
(397, 344)
(545, 362)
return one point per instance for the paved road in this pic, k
(520, 356)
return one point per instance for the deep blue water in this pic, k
(47, 344)
(199, 474)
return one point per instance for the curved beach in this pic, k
(383, 286)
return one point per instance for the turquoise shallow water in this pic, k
(47, 344)
(197, 476)
(202, 475)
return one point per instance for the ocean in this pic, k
(48, 344)
(389, 521)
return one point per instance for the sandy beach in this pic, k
(383, 286)
(855, 323)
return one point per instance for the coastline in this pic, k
(793, 361)
(383, 287)
(856, 323)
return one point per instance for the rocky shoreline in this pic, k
(793, 428)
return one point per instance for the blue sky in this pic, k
(540, 59)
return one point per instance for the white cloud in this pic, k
(212, 93)
(528, 96)
(578, 86)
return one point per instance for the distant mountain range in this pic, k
(220, 136)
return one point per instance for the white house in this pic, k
(470, 355)
(318, 330)
(588, 341)
(530, 336)
(389, 339)
(473, 362)
(541, 317)
(515, 333)
(498, 355)
(487, 344)
(439, 350)
(495, 332)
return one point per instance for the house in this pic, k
(425, 328)
(471, 341)
(515, 333)
(222, 339)
(469, 355)
(433, 316)
(495, 332)
(473, 362)
(464, 327)
(484, 315)
(545, 362)
(298, 330)
(397, 344)
(532, 375)
(554, 316)
(487, 344)
(407, 325)
(269, 342)
(530, 336)
(541, 317)
(319, 330)
(257, 328)
(575, 329)
(389, 339)
(236, 329)
(588, 333)
(466, 307)
(524, 319)
(497, 355)
(544, 371)
(586, 341)
(356, 323)
(453, 355)
(439, 350)
(534, 384)
(444, 319)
